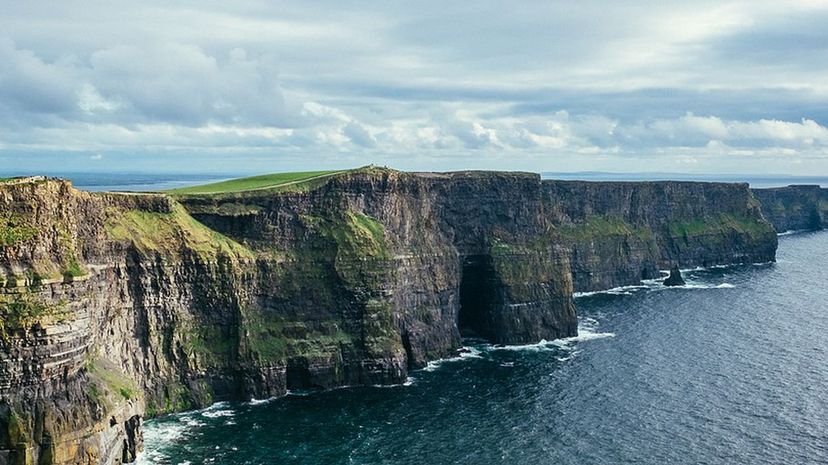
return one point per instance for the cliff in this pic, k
(118, 307)
(795, 208)
(618, 233)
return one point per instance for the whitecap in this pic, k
(694, 285)
(254, 401)
(298, 393)
(408, 382)
(792, 231)
(542, 345)
(466, 352)
(584, 334)
(621, 290)
(569, 356)
(191, 422)
(159, 435)
(218, 413)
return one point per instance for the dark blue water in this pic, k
(732, 369)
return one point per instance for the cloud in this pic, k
(543, 84)
(697, 131)
(29, 84)
(359, 135)
(170, 83)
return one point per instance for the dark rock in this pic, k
(351, 282)
(675, 278)
(795, 208)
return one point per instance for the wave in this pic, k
(466, 352)
(254, 401)
(793, 231)
(191, 422)
(408, 382)
(569, 356)
(218, 413)
(692, 285)
(158, 435)
(584, 334)
(621, 290)
(658, 285)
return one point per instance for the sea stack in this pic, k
(675, 278)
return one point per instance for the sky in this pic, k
(564, 86)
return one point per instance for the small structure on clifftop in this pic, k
(675, 278)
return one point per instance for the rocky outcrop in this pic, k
(795, 208)
(121, 307)
(675, 278)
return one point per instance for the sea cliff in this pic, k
(795, 208)
(119, 307)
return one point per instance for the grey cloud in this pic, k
(30, 84)
(528, 81)
(798, 40)
(182, 84)
(359, 135)
(171, 83)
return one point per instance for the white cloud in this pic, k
(548, 81)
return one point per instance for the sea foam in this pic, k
(467, 352)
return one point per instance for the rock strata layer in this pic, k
(795, 208)
(119, 307)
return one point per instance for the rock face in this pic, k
(675, 278)
(795, 208)
(618, 233)
(121, 307)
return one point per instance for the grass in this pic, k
(719, 224)
(211, 344)
(359, 235)
(599, 226)
(17, 432)
(108, 379)
(169, 233)
(73, 270)
(267, 181)
(24, 310)
(15, 229)
(274, 339)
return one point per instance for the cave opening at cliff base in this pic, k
(477, 296)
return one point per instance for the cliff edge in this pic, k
(119, 307)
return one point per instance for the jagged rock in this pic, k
(675, 278)
(124, 306)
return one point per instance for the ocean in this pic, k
(730, 369)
